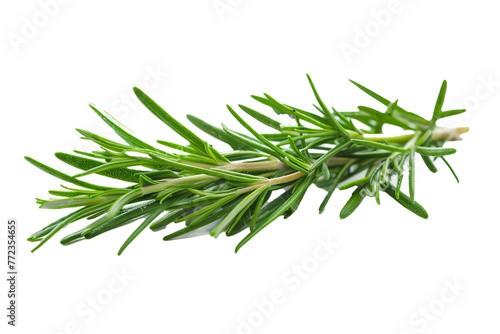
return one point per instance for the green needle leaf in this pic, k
(368, 143)
(106, 143)
(218, 133)
(130, 139)
(224, 224)
(385, 118)
(439, 104)
(353, 202)
(184, 132)
(333, 186)
(280, 154)
(449, 113)
(124, 174)
(261, 118)
(168, 218)
(384, 101)
(407, 202)
(139, 229)
(63, 176)
(177, 147)
(429, 163)
(79, 214)
(326, 111)
(411, 174)
(329, 154)
(169, 120)
(435, 151)
(271, 102)
(354, 183)
(37, 236)
(110, 166)
(126, 216)
(260, 201)
(451, 169)
(309, 117)
(301, 189)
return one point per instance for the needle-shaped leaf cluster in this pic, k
(265, 176)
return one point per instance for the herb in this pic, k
(215, 192)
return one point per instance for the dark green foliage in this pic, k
(212, 192)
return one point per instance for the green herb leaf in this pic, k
(407, 202)
(212, 192)
(326, 111)
(63, 176)
(353, 202)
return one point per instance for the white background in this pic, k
(390, 267)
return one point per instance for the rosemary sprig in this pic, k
(265, 176)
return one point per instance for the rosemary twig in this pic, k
(214, 192)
